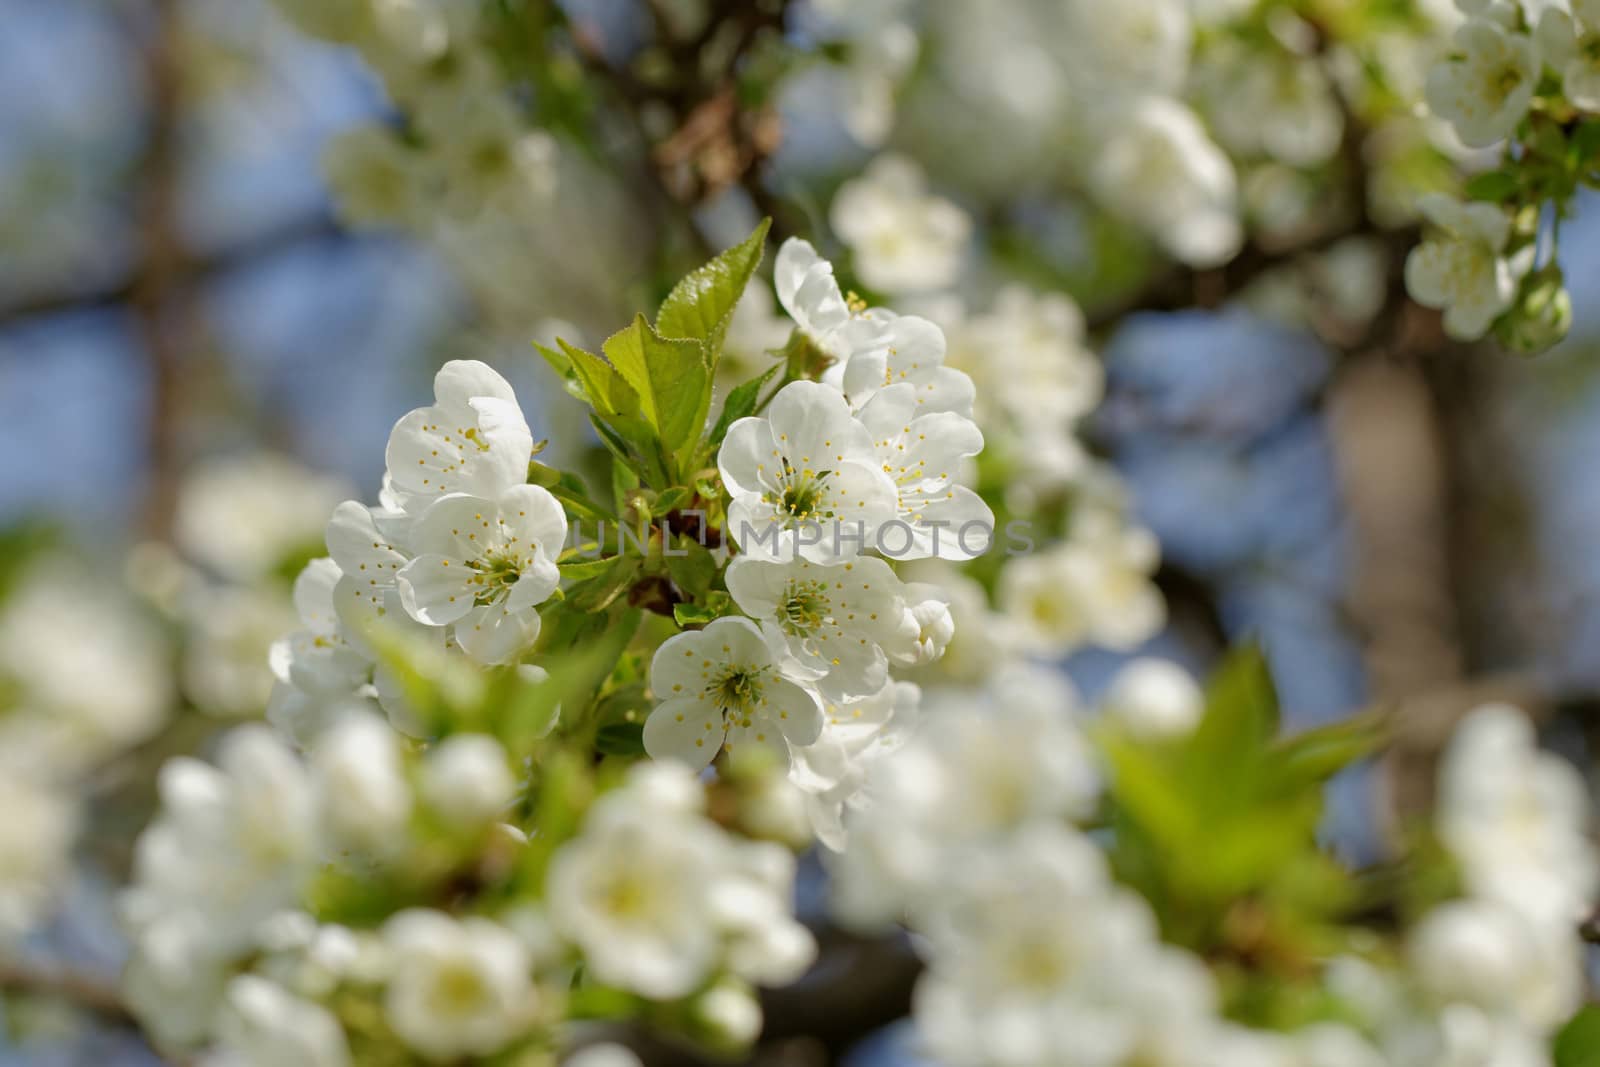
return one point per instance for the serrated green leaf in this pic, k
(701, 305)
(672, 378)
(560, 362)
(607, 390)
(741, 403)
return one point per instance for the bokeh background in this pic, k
(195, 354)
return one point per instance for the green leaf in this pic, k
(585, 569)
(1241, 714)
(1578, 1043)
(694, 570)
(608, 392)
(601, 591)
(1319, 754)
(671, 500)
(1494, 186)
(672, 378)
(560, 362)
(717, 605)
(741, 403)
(620, 739)
(701, 305)
(634, 444)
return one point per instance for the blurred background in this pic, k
(200, 355)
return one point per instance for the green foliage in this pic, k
(1578, 1043)
(1219, 829)
(701, 305)
(742, 402)
(651, 391)
(672, 379)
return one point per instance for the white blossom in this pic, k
(1153, 700)
(460, 987)
(1093, 588)
(839, 623)
(1162, 173)
(1517, 820)
(484, 565)
(362, 786)
(722, 687)
(1461, 266)
(803, 477)
(925, 455)
(1570, 43)
(810, 294)
(35, 852)
(264, 1025)
(974, 772)
(910, 351)
(1489, 956)
(832, 772)
(472, 439)
(651, 891)
(377, 180)
(1484, 84)
(314, 667)
(243, 516)
(231, 846)
(1136, 47)
(466, 778)
(905, 239)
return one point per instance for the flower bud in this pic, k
(1541, 317)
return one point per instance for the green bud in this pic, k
(1541, 317)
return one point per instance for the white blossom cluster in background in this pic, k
(1037, 956)
(82, 679)
(470, 153)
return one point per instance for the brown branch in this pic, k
(161, 314)
(82, 991)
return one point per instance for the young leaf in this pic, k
(608, 392)
(716, 606)
(672, 379)
(701, 305)
(741, 403)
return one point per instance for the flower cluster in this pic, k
(241, 946)
(869, 458)
(1520, 77)
(458, 554)
(468, 153)
(1039, 951)
(81, 680)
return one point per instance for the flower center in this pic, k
(493, 576)
(803, 493)
(1507, 79)
(459, 989)
(804, 608)
(737, 689)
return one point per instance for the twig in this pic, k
(58, 983)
